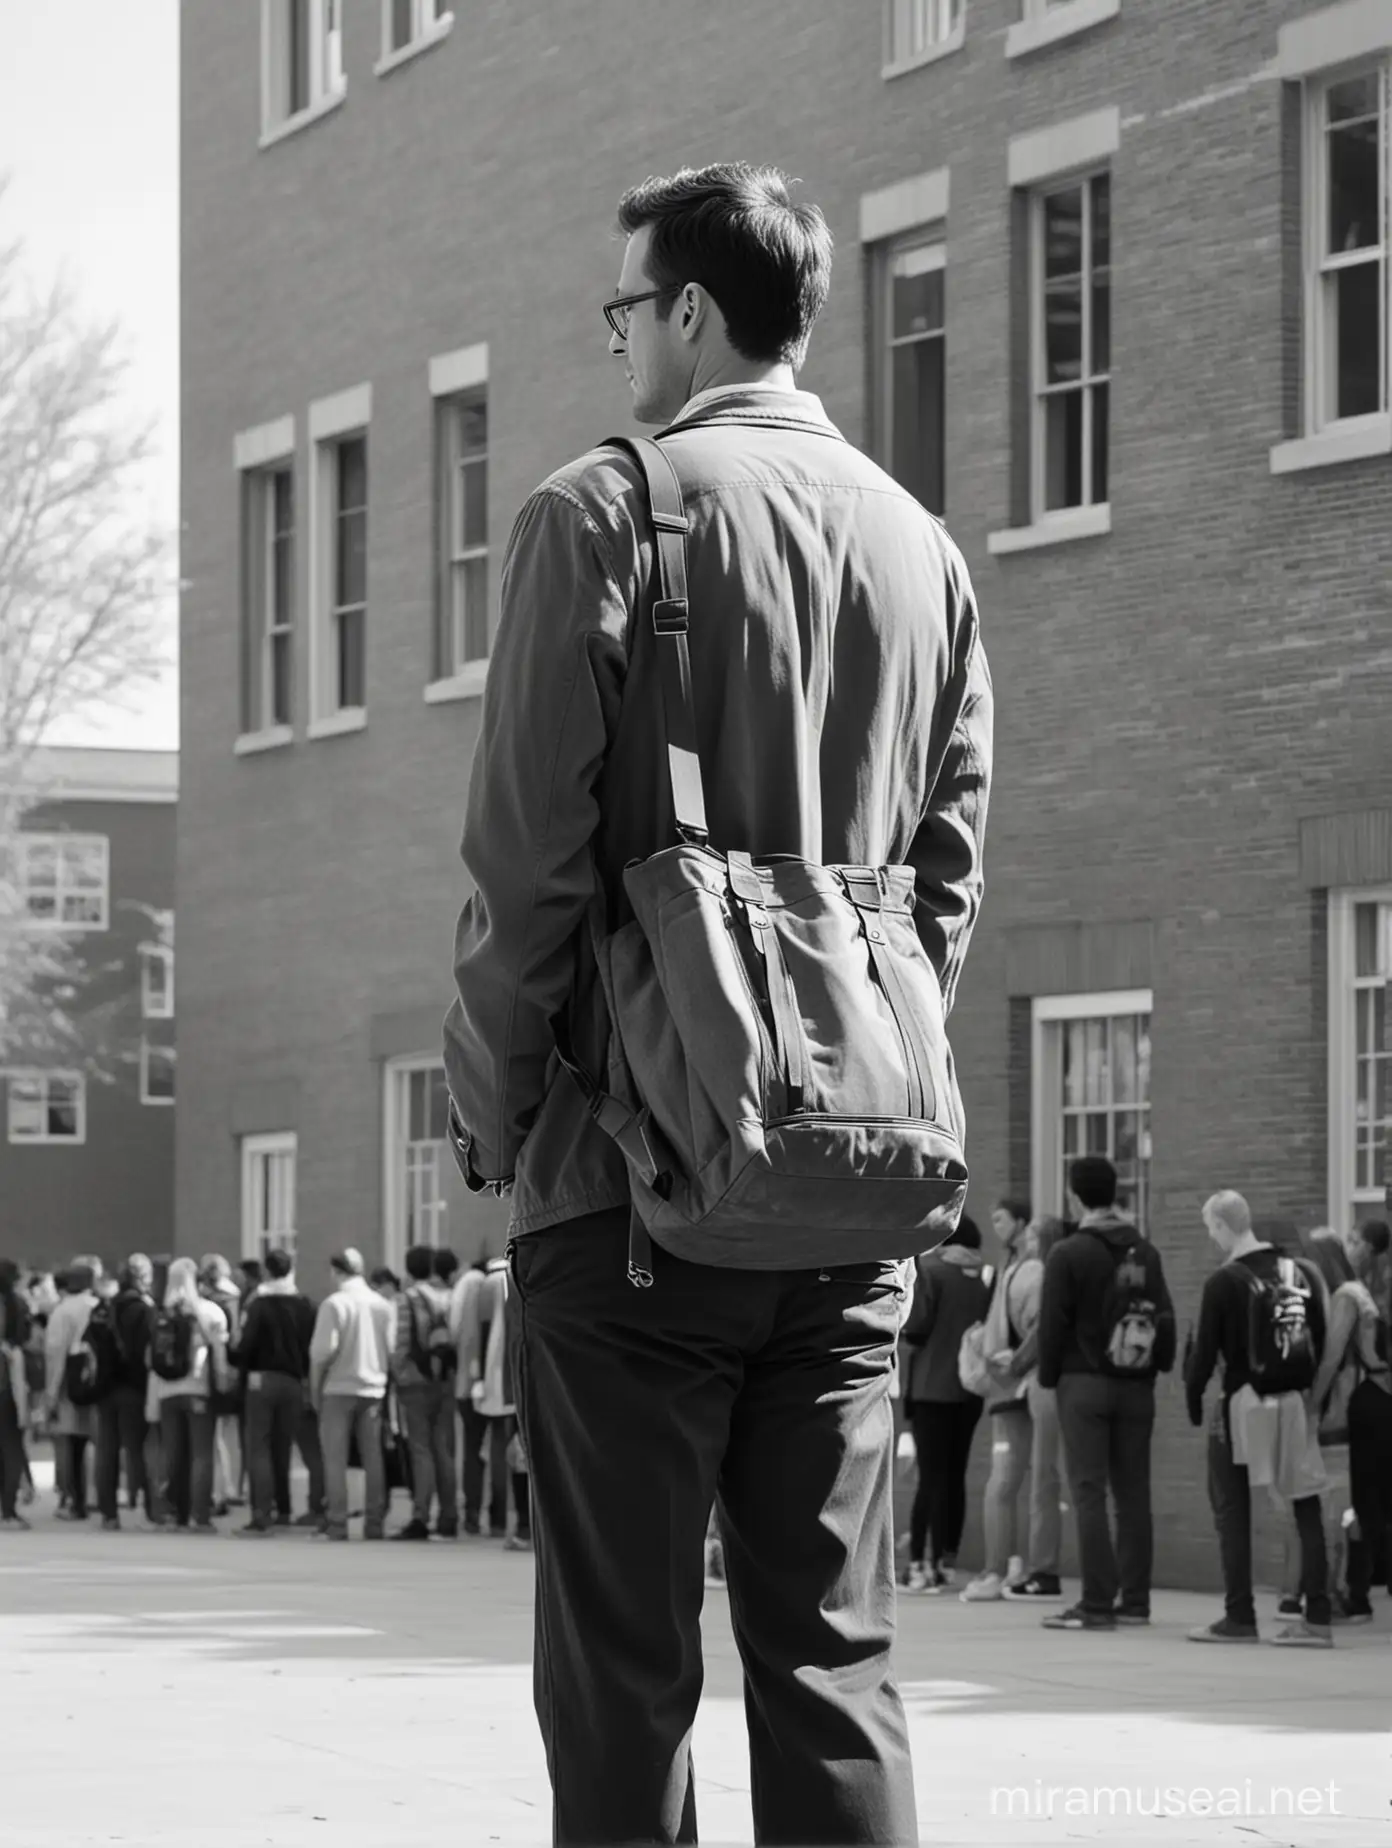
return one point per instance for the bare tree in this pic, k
(85, 587)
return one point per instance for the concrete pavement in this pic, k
(182, 1691)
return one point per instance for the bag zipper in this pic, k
(761, 1025)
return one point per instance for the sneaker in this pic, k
(413, 1530)
(918, 1577)
(15, 1524)
(1290, 1607)
(253, 1531)
(308, 1520)
(1135, 1617)
(1015, 1572)
(1225, 1631)
(471, 1530)
(985, 1588)
(69, 1514)
(1346, 1611)
(280, 1520)
(947, 1575)
(1042, 1587)
(203, 1527)
(1076, 1618)
(446, 1533)
(1304, 1635)
(221, 1510)
(374, 1533)
(27, 1494)
(517, 1543)
(111, 1524)
(323, 1533)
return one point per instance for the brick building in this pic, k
(87, 1164)
(1112, 293)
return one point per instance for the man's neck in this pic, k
(1247, 1244)
(732, 375)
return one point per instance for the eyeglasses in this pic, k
(616, 313)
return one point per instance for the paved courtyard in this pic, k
(162, 1690)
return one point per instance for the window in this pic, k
(65, 880)
(268, 1194)
(156, 1073)
(268, 597)
(915, 29)
(462, 605)
(1071, 313)
(406, 22)
(1348, 246)
(416, 1158)
(343, 665)
(47, 1107)
(911, 387)
(156, 982)
(1091, 1094)
(1360, 1052)
(302, 58)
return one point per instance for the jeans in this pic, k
(121, 1432)
(311, 1451)
(341, 1417)
(1230, 1495)
(769, 1390)
(942, 1435)
(475, 1429)
(75, 1473)
(428, 1410)
(1010, 1459)
(188, 1429)
(274, 1408)
(1107, 1425)
(499, 1434)
(1046, 1518)
(12, 1459)
(1370, 1483)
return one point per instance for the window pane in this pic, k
(1100, 396)
(283, 502)
(351, 585)
(1063, 233)
(297, 56)
(1071, 1126)
(280, 679)
(41, 861)
(1063, 333)
(159, 1072)
(1365, 937)
(1354, 97)
(352, 474)
(1063, 450)
(917, 292)
(415, 1106)
(1098, 1090)
(1353, 187)
(1101, 189)
(472, 584)
(473, 427)
(282, 582)
(43, 905)
(1124, 1060)
(1101, 326)
(917, 421)
(1356, 330)
(475, 485)
(1097, 1138)
(82, 908)
(401, 33)
(350, 659)
(84, 864)
(1074, 1063)
(1126, 1147)
(439, 1107)
(62, 1107)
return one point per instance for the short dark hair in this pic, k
(1377, 1236)
(251, 1267)
(385, 1274)
(420, 1263)
(446, 1264)
(1017, 1209)
(765, 262)
(967, 1233)
(1094, 1180)
(278, 1264)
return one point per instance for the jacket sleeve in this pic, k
(1024, 1313)
(946, 854)
(554, 685)
(1343, 1319)
(1055, 1302)
(323, 1343)
(924, 1312)
(1203, 1356)
(244, 1353)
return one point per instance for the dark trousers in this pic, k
(942, 1437)
(121, 1433)
(475, 1430)
(769, 1390)
(1370, 1485)
(428, 1410)
(188, 1429)
(500, 1434)
(13, 1463)
(274, 1408)
(1230, 1495)
(75, 1473)
(1106, 1425)
(312, 1456)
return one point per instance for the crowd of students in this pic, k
(1060, 1349)
(194, 1396)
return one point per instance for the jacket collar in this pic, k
(279, 1286)
(757, 404)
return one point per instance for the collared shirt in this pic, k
(709, 396)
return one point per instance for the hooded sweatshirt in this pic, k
(277, 1331)
(952, 1293)
(1077, 1282)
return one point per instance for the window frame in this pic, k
(156, 1005)
(1042, 517)
(940, 45)
(147, 1047)
(931, 238)
(431, 21)
(265, 624)
(1047, 1014)
(452, 661)
(344, 418)
(256, 1149)
(57, 924)
(396, 1103)
(1343, 1195)
(30, 1075)
(326, 79)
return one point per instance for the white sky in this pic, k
(89, 139)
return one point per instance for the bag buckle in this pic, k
(669, 616)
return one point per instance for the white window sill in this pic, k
(953, 42)
(1354, 442)
(48, 1142)
(305, 118)
(434, 35)
(158, 1103)
(56, 927)
(1061, 22)
(1053, 529)
(269, 740)
(336, 724)
(468, 683)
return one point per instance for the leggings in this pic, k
(943, 1439)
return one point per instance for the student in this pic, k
(74, 1425)
(1041, 1583)
(423, 1368)
(273, 1355)
(121, 1411)
(349, 1358)
(189, 1365)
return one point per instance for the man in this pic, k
(15, 1328)
(273, 1355)
(1369, 1411)
(1011, 1346)
(423, 1366)
(121, 1411)
(466, 1326)
(73, 1426)
(1226, 1321)
(844, 709)
(1106, 1328)
(349, 1356)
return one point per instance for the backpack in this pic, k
(777, 1031)
(972, 1368)
(1281, 1353)
(89, 1372)
(171, 1344)
(1130, 1318)
(1369, 1330)
(433, 1351)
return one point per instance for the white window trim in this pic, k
(276, 1142)
(931, 242)
(423, 40)
(345, 414)
(338, 724)
(468, 683)
(1060, 528)
(152, 955)
(56, 926)
(1342, 1195)
(261, 451)
(326, 94)
(249, 744)
(263, 444)
(896, 67)
(1335, 35)
(465, 369)
(1043, 26)
(914, 204)
(393, 1072)
(77, 1079)
(145, 1097)
(1063, 148)
(1044, 1010)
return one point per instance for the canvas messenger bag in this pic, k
(779, 1077)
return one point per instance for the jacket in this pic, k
(419, 1302)
(276, 1331)
(350, 1350)
(951, 1293)
(66, 1327)
(1274, 1440)
(464, 1323)
(208, 1371)
(482, 1308)
(1351, 1344)
(1077, 1281)
(133, 1319)
(1223, 1319)
(844, 709)
(1013, 1323)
